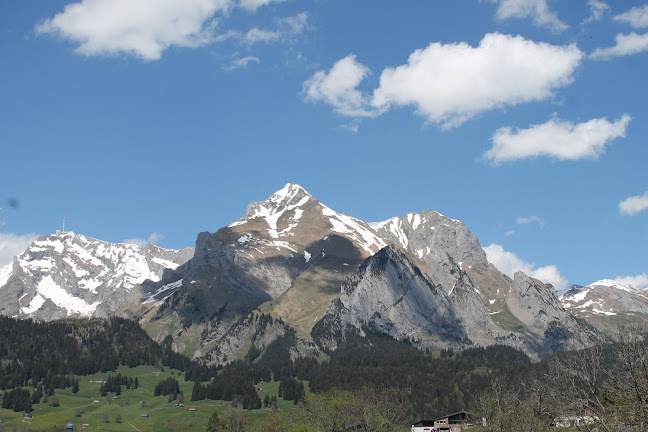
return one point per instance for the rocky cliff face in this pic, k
(548, 326)
(390, 295)
(69, 274)
(523, 312)
(442, 244)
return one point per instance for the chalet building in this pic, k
(575, 421)
(452, 423)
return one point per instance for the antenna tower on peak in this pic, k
(59, 232)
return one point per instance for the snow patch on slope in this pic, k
(352, 227)
(49, 289)
(34, 305)
(168, 287)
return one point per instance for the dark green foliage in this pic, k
(113, 384)
(277, 354)
(235, 382)
(18, 400)
(430, 386)
(292, 390)
(75, 385)
(252, 354)
(30, 350)
(166, 387)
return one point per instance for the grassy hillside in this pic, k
(102, 416)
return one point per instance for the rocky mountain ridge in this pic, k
(423, 278)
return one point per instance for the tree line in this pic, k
(30, 350)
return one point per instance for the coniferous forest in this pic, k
(496, 383)
(30, 350)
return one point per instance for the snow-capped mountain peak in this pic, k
(293, 215)
(290, 199)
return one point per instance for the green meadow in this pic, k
(134, 410)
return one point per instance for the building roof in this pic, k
(425, 423)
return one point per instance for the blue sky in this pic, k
(158, 119)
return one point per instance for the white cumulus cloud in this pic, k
(141, 27)
(634, 204)
(13, 244)
(450, 83)
(509, 263)
(142, 242)
(629, 44)
(637, 17)
(537, 10)
(338, 88)
(557, 139)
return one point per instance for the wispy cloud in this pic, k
(537, 10)
(597, 10)
(637, 17)
(509, 263)
(142, 242)
(295, 24)
(260, 35)
(286, 28)
(241, 63)
(451, 83)
(253, 5)
(634, 204)
(632, 43)
(556, 139)
(13, 244)
(530, 220)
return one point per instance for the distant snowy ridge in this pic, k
(607, 298)
(70, 274)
